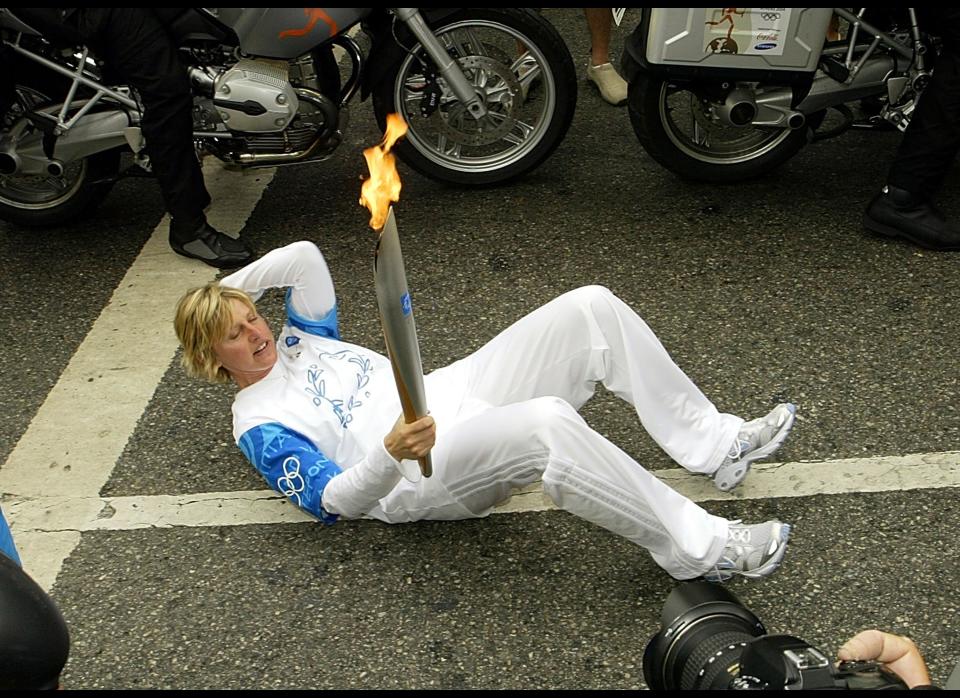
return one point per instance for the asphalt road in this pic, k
(763, 292)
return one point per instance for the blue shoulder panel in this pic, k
(324, 327)
(291, 465)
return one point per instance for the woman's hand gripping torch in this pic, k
(393, 296)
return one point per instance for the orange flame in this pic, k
(383, 186)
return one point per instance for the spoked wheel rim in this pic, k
(39, 192)
(691, 126)
(519, 94)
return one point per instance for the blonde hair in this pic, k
(203, 318)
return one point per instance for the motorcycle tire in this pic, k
(85, 188)
(661, 113)
(47, 201)
(524, 67)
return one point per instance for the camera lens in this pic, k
(703, 631)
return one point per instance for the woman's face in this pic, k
(248, 351)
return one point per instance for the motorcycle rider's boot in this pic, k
(206, 243)
(898, 213)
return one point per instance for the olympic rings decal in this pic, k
(770, 16)
(292, 482)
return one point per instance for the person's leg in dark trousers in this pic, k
(137, 47)
(931, 142)
(927, 152)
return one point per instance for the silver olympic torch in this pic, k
(399, 328)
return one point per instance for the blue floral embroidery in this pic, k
(317, 386)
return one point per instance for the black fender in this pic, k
(385, 53)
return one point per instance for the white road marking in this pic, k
(63, 518)
(73, 442)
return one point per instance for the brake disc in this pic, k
(501, 94)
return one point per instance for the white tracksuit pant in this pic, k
(514, 421)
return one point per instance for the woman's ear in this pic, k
(215, 360)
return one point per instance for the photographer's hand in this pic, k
(899, 654)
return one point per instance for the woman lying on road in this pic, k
(317, 417)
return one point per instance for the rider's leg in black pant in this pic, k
(927, 152)
(139, 50)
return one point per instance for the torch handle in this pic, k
(410, 415)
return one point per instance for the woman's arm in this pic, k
(292, 465)
(299, 266)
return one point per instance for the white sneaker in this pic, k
(751, 551)
(757, 439)
(613, 88)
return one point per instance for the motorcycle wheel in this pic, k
(51, 200)
(678, 129)
(525, 70)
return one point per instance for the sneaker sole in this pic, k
(768, 449)
(769, 568)
(600, 92)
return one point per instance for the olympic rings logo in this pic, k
(770, 16)
(292, 482)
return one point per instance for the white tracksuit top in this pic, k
(314, 425)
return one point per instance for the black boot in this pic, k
(897, 213)
(209, 245)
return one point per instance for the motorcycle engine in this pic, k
(255, 96)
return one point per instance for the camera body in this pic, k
(710, 640)
(784, 662)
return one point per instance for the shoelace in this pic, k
(740, 446)
(726, 563)
(726, 566)
(743, 446)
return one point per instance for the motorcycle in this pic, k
(726, 95)
(488, 95)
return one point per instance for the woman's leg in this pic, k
(587, 336)
(481, 460)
